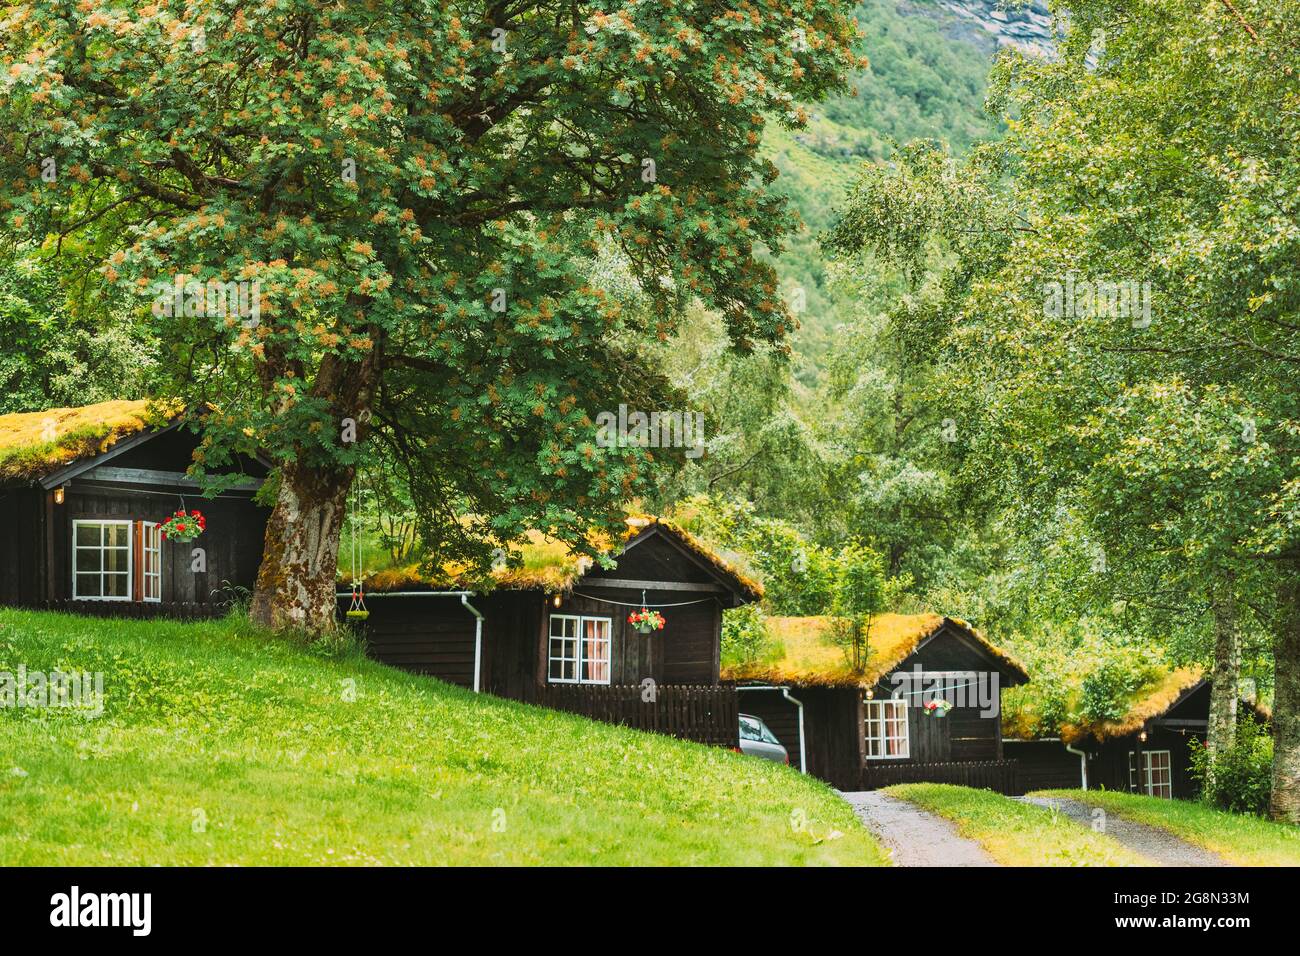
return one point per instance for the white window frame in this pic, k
(130, 559)
(1148, 785)
(580, 661)
(148, 528)
(878, 722)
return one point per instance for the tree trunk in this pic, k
(1224, 690)
(1286, 721)
(296, 582)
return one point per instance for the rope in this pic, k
(590, 597)
(941, 691)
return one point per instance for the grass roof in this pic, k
(547, 564)
(809, 658)
(36, 444)
(1023, 719)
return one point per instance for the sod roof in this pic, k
(810, 659)
(1021, 719)
(34, 445)
(551, 565)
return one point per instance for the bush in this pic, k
(745, 638)
(1107, 690)
(1241, 778)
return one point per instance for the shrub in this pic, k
(1107, 690)
(1240, 778)
(745, 637)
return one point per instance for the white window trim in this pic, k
(145, 528)
(578, 668)
(906, 738)
(1147, 770)
(130, 560)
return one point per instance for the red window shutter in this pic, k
(137, 559)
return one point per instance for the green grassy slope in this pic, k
(221, 745)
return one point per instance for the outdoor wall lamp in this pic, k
(58, 495)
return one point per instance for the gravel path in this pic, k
(1152, 842)
(915, 837)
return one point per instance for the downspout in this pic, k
(1083, 763)
(464, 599)
(478, 638)
(803, 751)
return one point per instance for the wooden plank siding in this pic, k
(706, 714)
(999, 775)
(1045, 765)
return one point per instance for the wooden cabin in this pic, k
(559, 634)
(83, 492)
(1145, 751)
(871, 727)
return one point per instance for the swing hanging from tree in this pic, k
(357, 609)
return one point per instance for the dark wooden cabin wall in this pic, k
(425, 635)
(653, 559)
(232, 544)
(1044, 764)
(512, 623)
(23, 552)
(686, 651)
(963, 734)
(435, 635)
(174, 451)
(1108, 761)
(832, 729)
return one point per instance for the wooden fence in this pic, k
(1000, 775)
(183, 610)
(703, 713)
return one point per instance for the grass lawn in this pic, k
(221, 745)
(1238, 838)
(1015, 833)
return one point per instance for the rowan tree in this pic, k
(422, 192)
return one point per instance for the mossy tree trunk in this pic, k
(297, 579)
(296, 582)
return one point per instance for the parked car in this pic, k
(758, 741)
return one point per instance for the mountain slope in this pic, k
(927, 80)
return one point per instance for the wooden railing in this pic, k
(183, 610)
(703, 713)
(1002, 776)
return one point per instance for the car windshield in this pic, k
(750, 729)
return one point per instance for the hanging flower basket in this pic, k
(184, 526)
(646, 620)
(936, 708)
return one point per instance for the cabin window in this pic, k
(1157, 778)
(887, 737)
(151, 570)
(101, 560)
(579, 649)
